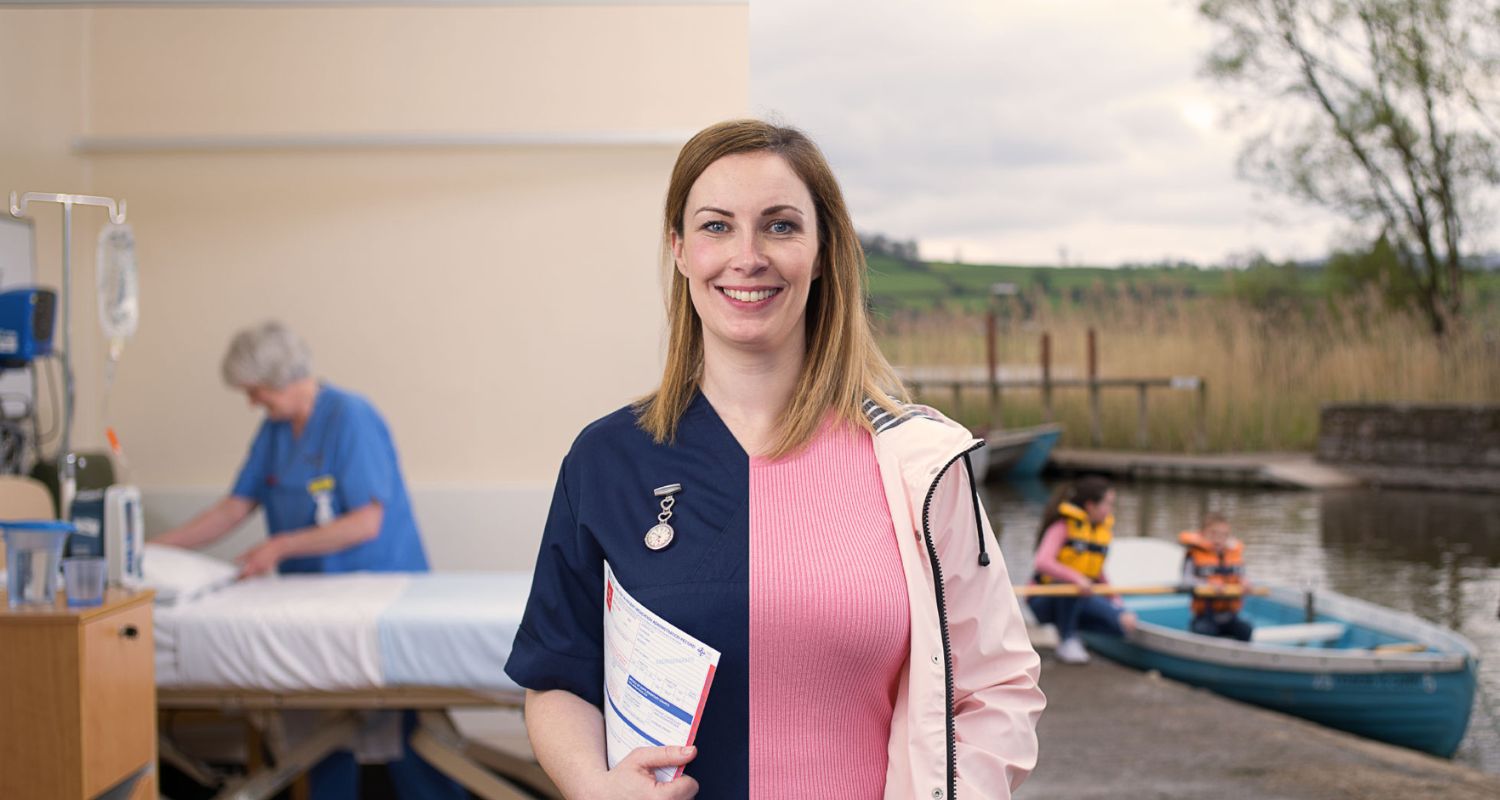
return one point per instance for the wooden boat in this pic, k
(1015, 452)
(1345, 663)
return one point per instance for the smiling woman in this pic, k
(778, 439)
(748, 251)
(794, 236)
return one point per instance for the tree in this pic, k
(1269, 287)
(878, 244)
(1352, 272)
(1392, 121)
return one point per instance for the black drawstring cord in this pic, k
(984, 554)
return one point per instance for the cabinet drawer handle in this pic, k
(130, 631)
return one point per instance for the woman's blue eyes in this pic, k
(779, 226)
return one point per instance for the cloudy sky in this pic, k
(1024, 131)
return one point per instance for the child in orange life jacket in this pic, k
(1215, 559)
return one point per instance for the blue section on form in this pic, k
(658, 701)
(627, 721)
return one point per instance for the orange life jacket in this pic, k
(1214, 566)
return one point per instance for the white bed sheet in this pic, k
(345, 632)
(290, 633)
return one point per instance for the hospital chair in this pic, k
(94, 471)
(23, 498)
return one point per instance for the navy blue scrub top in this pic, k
(601, 509)
(345, 460)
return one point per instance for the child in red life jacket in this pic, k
(1217, 560)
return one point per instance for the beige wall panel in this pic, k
(240, 71)
(41, 95)
(488, 302)
(43, 65)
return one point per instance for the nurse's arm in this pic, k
(356, 527)
(210, 526)
(344, 532)
(567, 736)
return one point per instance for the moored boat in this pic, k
(1332, 659)
(1015, 452)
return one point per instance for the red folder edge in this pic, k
(697, 716)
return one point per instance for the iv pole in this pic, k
(67, 460)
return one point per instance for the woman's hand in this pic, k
(1085, 586)
(260, 559)
(567, 735)
(635, 776)
(1127, 621)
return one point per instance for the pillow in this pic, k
(180, 575)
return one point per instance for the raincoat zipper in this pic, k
(942, 607)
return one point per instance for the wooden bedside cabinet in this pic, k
(78, 700)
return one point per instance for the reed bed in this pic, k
(1268, 371)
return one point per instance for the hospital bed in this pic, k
(345, 646)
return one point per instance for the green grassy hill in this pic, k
(897, 284)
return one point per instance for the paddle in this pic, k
(1069, 590)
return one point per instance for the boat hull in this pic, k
(1423, 711)
(1038, 453)
(1018, 453)
(1418, 700)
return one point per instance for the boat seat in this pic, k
(1302, 633)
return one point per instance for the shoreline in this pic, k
(1110, 731)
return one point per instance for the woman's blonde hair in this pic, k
(843, 366)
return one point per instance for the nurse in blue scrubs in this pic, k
(324, 468)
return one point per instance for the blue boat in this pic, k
(1351, 665)
(1016, 453)
(1038, 451)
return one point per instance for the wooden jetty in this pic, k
(927, 382)
(1285, 470)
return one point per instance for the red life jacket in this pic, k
(1214, 566)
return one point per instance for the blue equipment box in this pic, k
(26, 323)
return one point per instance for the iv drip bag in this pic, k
(119, 306)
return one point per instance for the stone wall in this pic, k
(1432, 445)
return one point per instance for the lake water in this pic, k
(1435, 555)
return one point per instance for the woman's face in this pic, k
(280, 404)
(1100, 511)
(749, 251)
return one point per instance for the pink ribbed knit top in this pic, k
(829, 621)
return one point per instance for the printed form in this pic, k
(656, 678)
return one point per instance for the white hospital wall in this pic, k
(310, 164)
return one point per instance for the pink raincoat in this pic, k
(964, 723)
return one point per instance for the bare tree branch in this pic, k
(1398, 123)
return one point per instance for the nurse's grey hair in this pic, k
(268, 354)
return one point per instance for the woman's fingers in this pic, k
(655, 757)
(643, 761)
(681, 788)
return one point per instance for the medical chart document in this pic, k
(656, 678)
